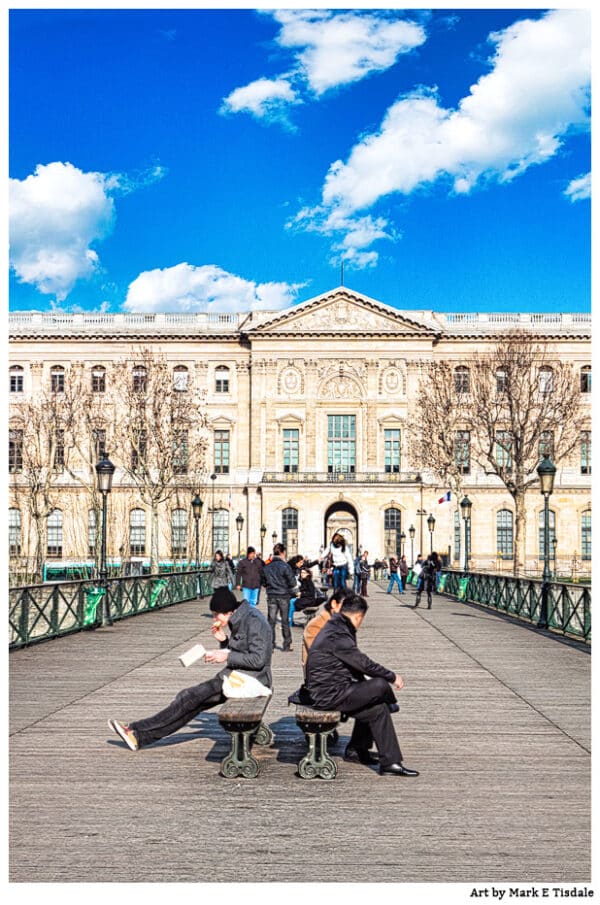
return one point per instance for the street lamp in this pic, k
(411, 532)
(402, 542)
(197, 512)
(554, 543)
(239, 523)
(105, 471)
(546, 471)
(263, 531)
(274, 538)
(431, 526)
(465, 508)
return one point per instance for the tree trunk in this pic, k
(520, 533)
(154, 540)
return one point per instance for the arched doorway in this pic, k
(342, 517)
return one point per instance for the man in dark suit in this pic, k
(335, 678)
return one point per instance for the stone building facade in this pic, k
(307, 412)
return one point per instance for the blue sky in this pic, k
(195, 160)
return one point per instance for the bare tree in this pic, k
(159, 431)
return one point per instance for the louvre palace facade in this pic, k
(306, 415)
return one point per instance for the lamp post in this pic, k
(105, 471)
(239, 523)
(431, 526)
(402, 542)
(263, 531)
(546, 471)
(465, 508)
(411, 533)
(274, 538)
(197, 512)
(554, 543)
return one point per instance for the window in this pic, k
(179, 526)
(392, 521)
(57, 379)
(461, 379)
(291, 443)
(180, 452)
(585, 379)
(15, 451)
(14, 532)
(139, 449)
(92, 532)
(586, 534)
(457, 535)
(504, 450)
(586, 452)
(55, 533)
(551, 533)
(137, 532)
(391, 443)
(546, 445)
(16, 379)
(140, 379)
(545, 380)
(98, 442)
(220, 530)
(289, 530)
(180, 378)
(222, 452)
(341, 443)
(221, 379)
(98, 380)
(501, 381)
(504, 534)
(59, 450)
(462, 451)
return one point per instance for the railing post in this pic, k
(54, 611)
(24, 617)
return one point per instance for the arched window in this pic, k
(57, 379)
(545, 380)
(92, 532)
(586, 535)
(140, 379)
(504, 534)
(462, 381)
(220, 530)
(221, 379)
(585, 379)
(289, 530)
(551, 534)
(14, 532)
(179, 525)
(98, 379)
(392, 526)
(181, 378)
(16, 379)
(137, 532)
(55, 533)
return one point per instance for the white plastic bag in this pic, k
(240, 685)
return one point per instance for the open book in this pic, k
(192, 655)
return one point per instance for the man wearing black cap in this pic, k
(248, 647)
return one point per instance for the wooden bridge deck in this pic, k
(495, 715)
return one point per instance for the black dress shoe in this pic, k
(397, 770)
(360, 756)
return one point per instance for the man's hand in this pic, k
(398, 682)
(216, 656)
(218, 634)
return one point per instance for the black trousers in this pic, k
(281, 605)
(368, 703)
(180, 711)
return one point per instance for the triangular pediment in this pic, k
(343, 311)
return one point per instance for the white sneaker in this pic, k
(127, 734)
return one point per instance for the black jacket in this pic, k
(249, 573)
(334, 663)
(250, 644)
(280, 579)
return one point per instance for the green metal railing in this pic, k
(43, 611)
(568, 605)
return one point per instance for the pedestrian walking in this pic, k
(220, 572)
(426, 582)
(341, 561)
(281, 586)
(394, 576)
(364, 573)
(249, 576)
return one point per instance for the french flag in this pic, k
(445, 498)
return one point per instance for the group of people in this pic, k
(337, 674)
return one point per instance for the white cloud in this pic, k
(580, 188)
(332, 49)
(55, 215)
(188, 288)
(515, 116)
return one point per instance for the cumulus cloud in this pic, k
(188, 288)
(330, 49)
(514, 117)
(579, 189)
(56, 215)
